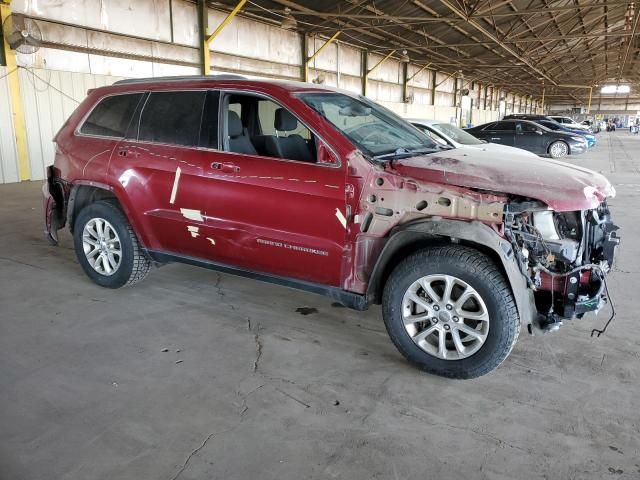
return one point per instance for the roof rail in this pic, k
(180, 78)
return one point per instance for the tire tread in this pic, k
(486, 270)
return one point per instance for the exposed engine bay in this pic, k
(565, 257)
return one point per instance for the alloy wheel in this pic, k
(558, 150)
(445, 316)
(101, 246)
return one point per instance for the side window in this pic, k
(236, 107)
(432, 135)
(505, 126)
(172, 117)
(526, 127)
(491, 126)
(272, 124)
(111, 117)
(258, 126)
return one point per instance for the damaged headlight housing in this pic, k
(563, 244)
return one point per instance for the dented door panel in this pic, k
(278, 216)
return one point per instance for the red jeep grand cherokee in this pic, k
(326, 191)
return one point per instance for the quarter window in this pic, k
(111, 117)
(172, 117)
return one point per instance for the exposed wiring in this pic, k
(35, 75)
(613, 311)
(586, 266)
(9, 72)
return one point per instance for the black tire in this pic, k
(134, 264)
(479, 272)
(559, 143)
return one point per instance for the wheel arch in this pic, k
(84, 193)
(561, 141)
(414, 236)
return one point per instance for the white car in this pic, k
(570, 123)
(446, 134)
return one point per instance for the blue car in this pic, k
(553, 125)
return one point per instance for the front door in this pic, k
(272, 206)
(528, 137)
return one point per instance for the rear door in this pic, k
(500, 132)
(157, 169)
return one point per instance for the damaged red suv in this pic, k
(328, 192)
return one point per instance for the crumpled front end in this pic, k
(565, 257)
(55, 195)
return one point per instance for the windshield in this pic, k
(372, 128)
(456, 134)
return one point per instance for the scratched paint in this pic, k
(194, 231)
(192, 214)
(341, 218)
(174, 190)
(211, 240)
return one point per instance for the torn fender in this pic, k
(473, 233)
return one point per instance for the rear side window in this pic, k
(526, 127)
(505, 126)
(111, 117)
(172, 117)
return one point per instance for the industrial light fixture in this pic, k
(288, 22)
(615, 89)
(319, 80)
(404, 58)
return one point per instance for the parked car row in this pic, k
(540, 134)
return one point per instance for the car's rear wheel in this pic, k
(450, 311)
(558, 149)
(107, 248)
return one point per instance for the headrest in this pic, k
(234, 124)
(284, 121)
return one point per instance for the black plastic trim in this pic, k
(352, 300)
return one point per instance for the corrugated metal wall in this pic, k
(48, 97)
(8, 156)
(93, 45)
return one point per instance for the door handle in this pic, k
(126, 152)
(225, 167)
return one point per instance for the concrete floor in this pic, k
(250, 388)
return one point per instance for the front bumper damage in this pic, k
(55, 192)
(565, 258)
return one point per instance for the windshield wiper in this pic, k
(403, 152)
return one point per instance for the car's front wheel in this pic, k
(450, 311)
(107, 247)
(558, 149)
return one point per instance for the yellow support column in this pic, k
(206, 38)
(19, 125)
(317, 52)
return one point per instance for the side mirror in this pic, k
(326, 155)
(539, 132)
